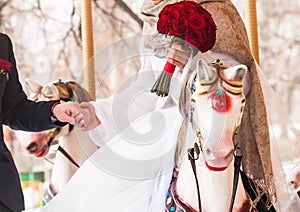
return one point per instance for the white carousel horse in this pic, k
(212, 102)
(74, 146)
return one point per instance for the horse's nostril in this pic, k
(32, 147)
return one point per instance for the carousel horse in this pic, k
(212, 102)
(74, 146)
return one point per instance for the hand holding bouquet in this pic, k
(189, 23)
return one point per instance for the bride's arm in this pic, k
(115, 113)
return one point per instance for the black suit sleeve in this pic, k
(19, 112)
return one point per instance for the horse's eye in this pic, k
(243, 100)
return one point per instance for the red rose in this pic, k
(210, 31)
(173, 15)
(187, 11)
(165, 10)
(211, 23)
(193, 37)
(207, 44)
(197, 21)
(162, 25)
(5, 65)
(174, 32)
(201, 11)
(201, 41)
(178, 6)
(181, 26)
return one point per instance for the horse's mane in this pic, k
(80, 94)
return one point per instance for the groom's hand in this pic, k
(63, 111)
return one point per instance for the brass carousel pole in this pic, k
(252, 28)
(88, 46)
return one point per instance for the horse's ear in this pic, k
(204, 72)
(33, 86)
(236, 73)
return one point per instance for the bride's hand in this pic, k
(178, 55)
(89, 118)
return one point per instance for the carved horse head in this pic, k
(74, 146)
(212, 102)
(57, 90)
(215, 102)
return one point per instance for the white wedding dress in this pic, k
(137, 137)
(124, 176)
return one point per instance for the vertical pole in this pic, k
(88, 46)
(252, 28)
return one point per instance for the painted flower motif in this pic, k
(5, 68)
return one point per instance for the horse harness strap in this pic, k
(237, 164)
(50, 138)
(68, 156)
(192, 161)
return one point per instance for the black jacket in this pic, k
(21, 114)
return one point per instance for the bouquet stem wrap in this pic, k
(162, 84)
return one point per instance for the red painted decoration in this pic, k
(220, 101)
(216, 169)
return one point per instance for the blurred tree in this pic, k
(279, 22)
(47, 36)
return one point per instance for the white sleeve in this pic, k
(120, 109)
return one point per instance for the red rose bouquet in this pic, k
(5, 68)
(189, 23)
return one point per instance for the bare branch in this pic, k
(127, 9)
